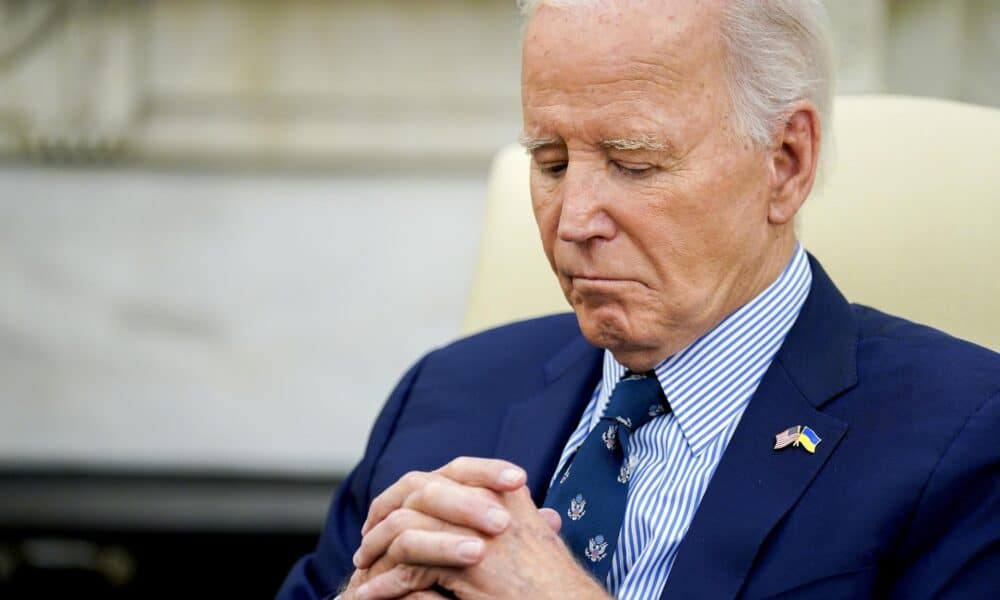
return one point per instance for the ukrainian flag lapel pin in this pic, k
(809, 440)
(799, 435)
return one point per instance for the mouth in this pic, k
(601, 281)
(591, 276)
(590, 279)
(595, 277)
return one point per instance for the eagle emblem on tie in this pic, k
(626, 470)
(597, 548)
(577, 508)
(610, 437)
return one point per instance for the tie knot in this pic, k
(635, 401)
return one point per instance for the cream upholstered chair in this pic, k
(907, 220)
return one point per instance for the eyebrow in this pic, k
(534, 143)
(642, 142)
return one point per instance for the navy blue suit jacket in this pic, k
(901, 498)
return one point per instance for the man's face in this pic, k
(652, 211)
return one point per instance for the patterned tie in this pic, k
(591, 490)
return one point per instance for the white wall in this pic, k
(223, 321)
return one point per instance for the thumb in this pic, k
(521, 505)
(551, 518)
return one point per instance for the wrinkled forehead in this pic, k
(675, 35)
(663, 44)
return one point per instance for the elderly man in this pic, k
(715, 420)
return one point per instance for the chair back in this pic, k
(906, 220)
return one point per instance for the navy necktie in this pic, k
(591, 490)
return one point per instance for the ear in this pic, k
(794, 160)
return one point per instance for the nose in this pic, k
(582, 217)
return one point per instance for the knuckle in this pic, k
(397, 519)
(378, 506)
(407, 544)
(374, 512)
(416, 498)
(456, 463)
(409, 576)
(413, 478)
(367, 542)
(358, 577)
(433, 487)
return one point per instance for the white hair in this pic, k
(779, 52)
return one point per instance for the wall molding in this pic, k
(354, 83)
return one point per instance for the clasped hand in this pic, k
(471, 528)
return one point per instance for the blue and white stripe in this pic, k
(708, 386)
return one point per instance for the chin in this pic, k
(635, 337)
(605, 326)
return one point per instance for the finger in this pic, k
(425, 595)
(378, 539)
(519, 502)
(396, 583)
(435, 549)
(551, 518)
(460, 505)
(497, 475)
(393, 497)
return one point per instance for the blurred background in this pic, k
(228, 226)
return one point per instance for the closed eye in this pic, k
(632, 170)
(553, 169)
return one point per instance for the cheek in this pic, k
(547, 210)
(658, 221)
(679, 237)
(705, 212)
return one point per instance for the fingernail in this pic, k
(511, 476)
(361, 592)
(497, 518)
(470, 549)
(357, 558)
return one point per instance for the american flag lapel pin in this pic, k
(788, 437)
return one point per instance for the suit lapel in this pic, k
(754, 485)
(752, 488)
(536, 429)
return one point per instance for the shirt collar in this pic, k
(706, 382)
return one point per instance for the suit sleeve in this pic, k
(321, 573)
(953, 546)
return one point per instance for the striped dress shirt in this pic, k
(708, 386)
